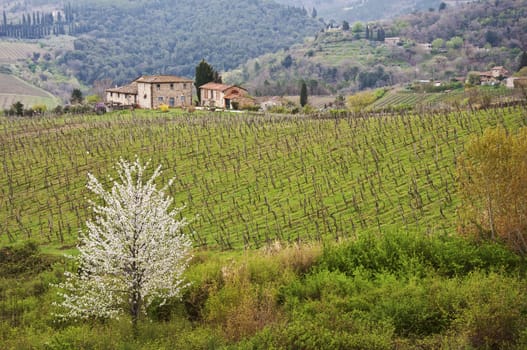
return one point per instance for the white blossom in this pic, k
(132, 254)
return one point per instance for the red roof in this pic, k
(215, 86)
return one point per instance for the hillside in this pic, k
(13, 89)
(363, 10)
(251, 179)
(355, 218)
(465, 38)
(121, 42)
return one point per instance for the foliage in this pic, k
(39, 108)
(15, 261)
(303, 94)
(234, 34)
(204, 74)
(164, 108)
(17, 109)
(132, 254)
(523, 61)
(76, 96)
(361, 100)
(93, 99)
(493, 187)
(407, 254)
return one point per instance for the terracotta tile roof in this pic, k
(127, 89)
(215, 86)
(152, 79)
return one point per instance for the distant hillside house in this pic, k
(393, 41)
(150, 92)
(494, 76)
(224, 96)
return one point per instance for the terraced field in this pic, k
(247, 180)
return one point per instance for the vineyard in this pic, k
(13, 89)
(12, 51)
(447, 99)
(246, 180)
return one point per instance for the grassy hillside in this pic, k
(247, 179)
(13, 89)
(34, 62)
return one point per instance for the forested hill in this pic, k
(121, 40)
(363, 10)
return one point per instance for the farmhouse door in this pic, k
(171, 102)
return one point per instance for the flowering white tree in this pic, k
(132, 254)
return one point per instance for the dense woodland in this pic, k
(122, 43)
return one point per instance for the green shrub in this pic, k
(403, 253)
(495, 313)
(22, 259)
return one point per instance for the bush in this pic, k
(164, 108)
(24, 259)
(407, 253)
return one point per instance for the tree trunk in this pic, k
(135, 308)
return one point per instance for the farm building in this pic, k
(224, 96)
(150, 92)
(494, 76)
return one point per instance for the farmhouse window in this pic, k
(145, 96)
(111, 94)
(184, 85)
(182, 99)
(158, 86)
(160, 98)
(172, 86)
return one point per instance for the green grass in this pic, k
(246, 180)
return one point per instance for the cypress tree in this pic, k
(303, 94)
(205, 73)
(523, 60)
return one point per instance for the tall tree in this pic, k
(76, 96)
(132, 255)
(523, 61)
(205, 73)
(303, 94)
(492, 175)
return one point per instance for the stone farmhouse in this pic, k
(494, 76)
(150, 92)
(224, 96)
